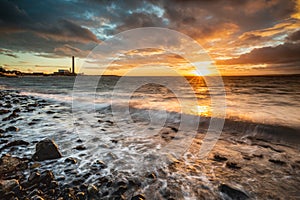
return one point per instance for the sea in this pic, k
(271, 100)
(118, 119)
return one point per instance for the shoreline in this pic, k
(238, 167)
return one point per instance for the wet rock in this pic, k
(114, 141)
(10, 164)
(99, 164)
(15, 143)
(1, 130)
(9, 185)
(258, 155)
(106, 121)
(11, 116)
(8, 105)
(37, 197)
(53, 184)
(219, 158)
(92, 190)
(3, 111)
(3, 141)
(34, 178)
(81, 196)
(168, 133)
(87, 175)
(151, 176)
(232, 165)
(35, 165)
(138, 197)
(12, 129)
(33, 105)
(44, 180)
(71, 160)
(46, 150)
(83, 187)
(134, 182)
(16, 101)
(173, 128)
(16, 110)
(277, 162)
(246, 157)
(121, 183)
(77, 181)
(47, 177)
(50, 112)
(80, 147)
(121, 190)
(232, 192)
(35, 192)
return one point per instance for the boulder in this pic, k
(46, 150)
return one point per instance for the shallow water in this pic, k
(134, 148)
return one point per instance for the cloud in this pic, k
(65, 31)
(22, 29)
(295, 36)
(285, 53)
(8, 53)
(242, 29)
(11, 16)
(68, 50)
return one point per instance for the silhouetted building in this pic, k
(62, 72)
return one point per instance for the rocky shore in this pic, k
(239, 167)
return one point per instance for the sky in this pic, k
(241, 37)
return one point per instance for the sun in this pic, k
(203, 72)
(204, 68)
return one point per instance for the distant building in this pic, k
(62, 72)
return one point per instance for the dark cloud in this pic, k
(246, 14)
(295, 36)
(41, 27)
(66, 30)
(137, 20)
(11, 17)
(285, 53)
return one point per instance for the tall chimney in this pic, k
(73, 65)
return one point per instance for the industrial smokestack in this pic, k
(73, 65)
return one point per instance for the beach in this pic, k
(48, 151)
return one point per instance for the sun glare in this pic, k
(203, 72)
